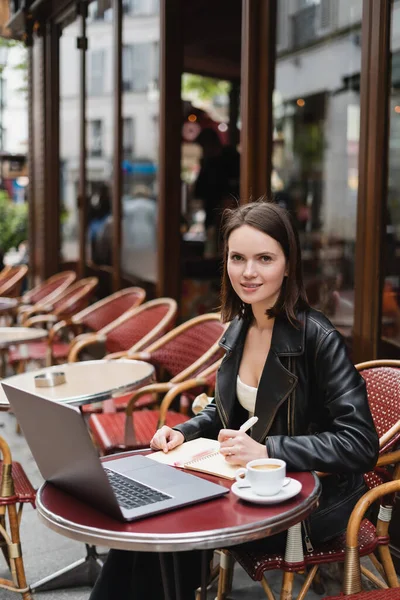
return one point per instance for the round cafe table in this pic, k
(10, 336)
(85, 382)
(219, 523)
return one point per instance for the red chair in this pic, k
(183, 353)
(90, 319)
(48, 290)
(136, 329)
(11, 281)
(74, 299)
(383, 387)
(352, 583)
(144, 423)
(15, 491)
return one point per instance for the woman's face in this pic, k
(256, 266)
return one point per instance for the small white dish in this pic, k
(288, 491)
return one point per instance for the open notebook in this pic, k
(198, 455)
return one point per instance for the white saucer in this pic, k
(246, 493)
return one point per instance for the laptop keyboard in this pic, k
(132, 494)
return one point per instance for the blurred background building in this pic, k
(148, 117)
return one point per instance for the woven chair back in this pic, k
(10, 284)
(105, 311)
(382, 380)
(75, 298)
(182, 350)
(51, 288)
(129, 331)
(383, 389)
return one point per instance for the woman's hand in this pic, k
(166, 439)
(238, 448)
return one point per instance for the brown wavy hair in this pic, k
(270, 218)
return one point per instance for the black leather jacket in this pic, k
(312, 408)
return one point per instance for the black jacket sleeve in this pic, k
(350, 443)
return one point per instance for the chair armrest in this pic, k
(154, 388)
(146, 356)
(40, 320)
(174, 392)
(37, 309)
(388, 458)
(352, 571)
(7, 483)
(83, 341)
(116, 355)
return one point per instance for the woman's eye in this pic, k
(236, 257)
(265, 259)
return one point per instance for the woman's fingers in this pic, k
(160, 438)
(226, 434)
(176, 439)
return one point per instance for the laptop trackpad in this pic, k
(150, 472)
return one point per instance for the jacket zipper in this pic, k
(307, 541)
(220, 408)
(289, 409)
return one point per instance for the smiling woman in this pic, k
(286, 364)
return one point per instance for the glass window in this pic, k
(140, 108)
(391, 286)
(96, 71)
(100, 134)
(128, 138)
(138, 67)
(316, 138)
(69, 144)
(95, 138)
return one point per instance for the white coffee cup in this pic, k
(265, 476)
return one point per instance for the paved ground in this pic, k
(46, 552)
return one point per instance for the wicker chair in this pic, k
(47, 291)
(352, 584)
(91, 319)
(74, 299)
(137, 328)
(11, 281)
(15, 490)
(383, 387)
(184, 353)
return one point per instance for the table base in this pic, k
(83, 572)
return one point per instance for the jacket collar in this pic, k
(287, 340)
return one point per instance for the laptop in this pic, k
(126, 488)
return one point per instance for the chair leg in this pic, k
(225, 575)
(267, 590)
(306, 585)
(18, 583)
(373, 578)
(287, 586)
(387, 563)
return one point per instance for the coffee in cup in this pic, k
(265, 476)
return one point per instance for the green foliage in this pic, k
(21, 66)
(13, 223)
(309, 146)
(205, 88)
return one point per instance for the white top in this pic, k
(246, 395)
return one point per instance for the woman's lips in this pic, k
(250, 286)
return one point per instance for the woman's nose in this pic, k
(249, 269)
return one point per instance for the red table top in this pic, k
(216, 523)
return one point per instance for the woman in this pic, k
(286, 364)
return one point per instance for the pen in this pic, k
(249, 423)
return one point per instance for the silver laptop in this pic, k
(127, 487)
